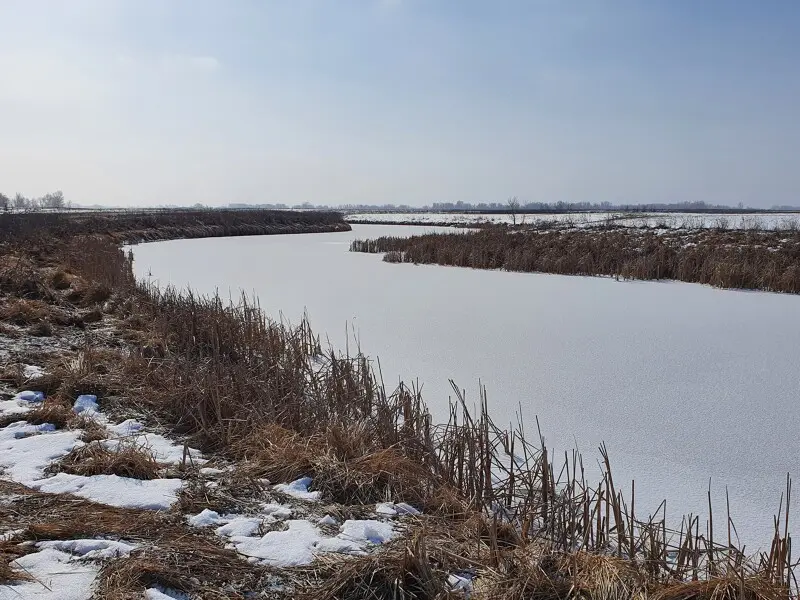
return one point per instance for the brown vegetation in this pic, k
(149, 225)
(757, 260)
(126, 460)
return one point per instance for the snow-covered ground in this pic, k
(663, 220)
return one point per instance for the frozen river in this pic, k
(684, 383)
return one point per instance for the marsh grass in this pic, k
(743, 259)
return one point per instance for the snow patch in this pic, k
(112, 490)
(298, 489)
(32, 372)
(86, 404)
(291, 548)
(391, 509)
(206, 518)
(62, 570)
(26, 450)
(367, 531)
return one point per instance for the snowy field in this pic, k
(671, 376)
(785, 221)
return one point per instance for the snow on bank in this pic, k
(62, 570)
(298, 489)
(296, 542)
(26, 451)
(21, 403)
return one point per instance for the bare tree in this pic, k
(513, 208)
(20, 202)
(5, 202)
(53, 200)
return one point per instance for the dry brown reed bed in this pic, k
(132, 226)
(263, 395)
(755, 259)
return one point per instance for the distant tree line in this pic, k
(20, 203)
(513, 205)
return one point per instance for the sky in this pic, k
(148, 102)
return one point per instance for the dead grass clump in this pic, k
(128, 460)
(19, 276)
(723, 588)
(92, 430)
(184, 562)
(62, 280)
(535, 572)
(347, 471)
(49, 383)
(52, 412)
(42, 329)
(400, 572)
(10, 551)
(25, 312)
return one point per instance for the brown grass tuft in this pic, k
(401, 571)
(24, 312)
(52, 412)
(128, 460)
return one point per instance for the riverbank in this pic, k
(735, 259)
(308, 456)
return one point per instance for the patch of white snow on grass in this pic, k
(206, 518)
(391, 509)
(162, 593)
(26, 450)
(369, 530)
(87, 549)
(291, 548)
(86, 404)
(164, 450)
(32, 372)
(112, 490)
(62, 570)
(298, 489)
(21, 403)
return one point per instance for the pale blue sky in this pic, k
(404, 101)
